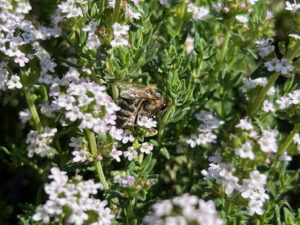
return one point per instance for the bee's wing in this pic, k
(136, 92)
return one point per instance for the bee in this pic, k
(137, 101)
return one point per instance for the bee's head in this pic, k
(164, 106)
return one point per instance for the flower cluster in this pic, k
(249, 84)
(184, 210)
(17, 32)
(282, 66)
(119, 32)
(80, 153)
(68, 9)
(92, 40)
(221, 173)
(71, 198)
(253, 190)
(88, 103)
(38, 143)
(266, 47)
(124, 181)
(199, 13)
(205, 135)
(292, 98)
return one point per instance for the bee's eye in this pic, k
(163, 106)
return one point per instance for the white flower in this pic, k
(183, 210)
(244, 124)
(162, 208)
(116, 154)
(284, 102)
(130, 154)
(295, 97)
(88, 121)
(25, 115)
(200, 13)
(129, 13)
(165, 3)
(189, 44)
(268, 106)
(119, 41)
(265, 51)
(146, 148)
(267, 141)
(253, 2)
(242, 18)
(271, 64)
(296, 139)
(41, 215)
(284, 67)
(80, 156)
(285, 157)
(292, 7)
(127, 137)
(116, 133)
(14, 82)
(74, 195)
(120, 30)
(93, 41)
(76, 142)
(146, 122)
(245, 151)
(296, 36)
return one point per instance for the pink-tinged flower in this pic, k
(146, 148)
(268, 106)
(14, 82)
(146, 122)
(116, 154)
(244, 124)
(79, 156)
(116, 133)
(130, 154)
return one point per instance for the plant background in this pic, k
(21, 184)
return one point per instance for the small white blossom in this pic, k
(130, 154)
(245, 151)
(79, 156)
(244, 124)
(146, 122)
(14, 82)
(25, 115)
(284, 102)
(146, 148)
(267, 141)
(285, 157)
(116, 154)
(242, 18)
(268, 106)
(293, 7)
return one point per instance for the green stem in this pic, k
(31, 106)
(116, 12)
(288, 140)
(164, 121)
(93, 148)
(180, 16)
(223, 51)
(130, 208)
(258, 100)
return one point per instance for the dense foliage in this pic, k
(223, 150)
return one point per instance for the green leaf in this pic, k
(146, 162)
(164, 151)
